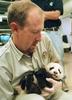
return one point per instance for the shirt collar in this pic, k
(17, 52)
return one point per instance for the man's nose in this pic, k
(38, 37)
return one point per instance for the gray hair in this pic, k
(18, 11)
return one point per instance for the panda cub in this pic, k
(52, 70)
(56, 70)
(34, 82)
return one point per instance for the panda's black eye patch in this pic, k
(59, 71)
(51, 68)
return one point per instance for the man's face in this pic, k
(30, 34)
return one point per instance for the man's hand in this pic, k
(56, 85)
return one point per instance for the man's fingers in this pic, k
(50, 80)
(49, 90)
(56, 84)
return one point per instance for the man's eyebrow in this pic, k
(36, 31)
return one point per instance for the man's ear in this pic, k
(14, 26)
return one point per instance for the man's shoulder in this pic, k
(45, 40)
(3, 49)
(45, 36)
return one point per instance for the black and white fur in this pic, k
(34, 82)
(56, 70)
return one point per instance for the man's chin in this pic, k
(31, 51)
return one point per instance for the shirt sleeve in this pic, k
(6, 90)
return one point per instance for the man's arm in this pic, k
(52, 15)
(6, 90)
(56, 12)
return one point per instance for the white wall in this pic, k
(67, 28)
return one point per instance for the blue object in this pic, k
(4, 38)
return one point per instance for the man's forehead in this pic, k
(34, 23)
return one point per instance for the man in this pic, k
(27, 50)
(53, 9)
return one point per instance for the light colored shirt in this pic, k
(13, 64)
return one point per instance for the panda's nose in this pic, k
(55, 72)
